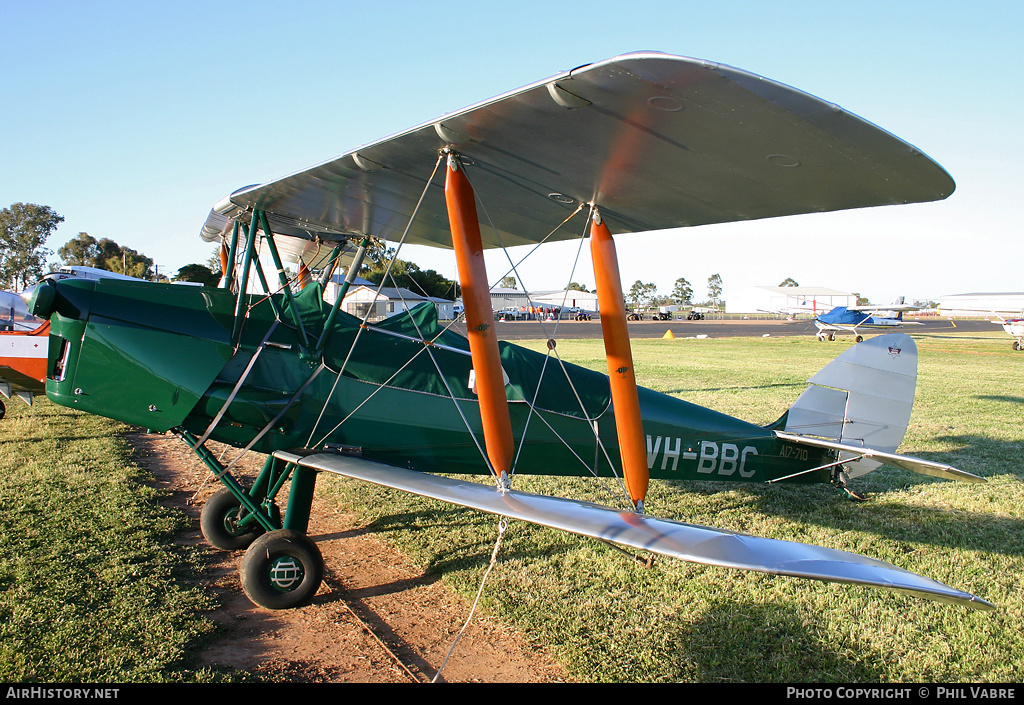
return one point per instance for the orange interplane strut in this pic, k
(476, 297)
(625, 400)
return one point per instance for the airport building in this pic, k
(775, 299)
(363, 298)
(502, 299)
(981, 304)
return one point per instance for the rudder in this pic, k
(862, 398)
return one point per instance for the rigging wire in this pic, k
(352, 347)
(600, 447)
(502, 526)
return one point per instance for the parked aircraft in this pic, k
(635, 143)
(854, 319)
(23, 337)
(1014, 327)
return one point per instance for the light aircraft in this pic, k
(24, 337)
(636, 143)
(854, 319)
(1014, 327)
(791, 312)
(23, 347)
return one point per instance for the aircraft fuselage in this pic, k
(162, 357)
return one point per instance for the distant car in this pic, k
(575, 313)
(513, 313)
(662, 316)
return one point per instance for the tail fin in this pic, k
(863, 398)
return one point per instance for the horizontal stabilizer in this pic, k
(688, 542)
(924, 467)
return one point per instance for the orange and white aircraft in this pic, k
(23, 349)
(24, 338)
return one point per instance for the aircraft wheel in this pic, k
(217, 522)
(3, 409)
(1017, 345)
(832, 337)
(282, 569)
(859, 339)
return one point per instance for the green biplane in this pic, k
(636, 143)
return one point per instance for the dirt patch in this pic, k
(375, 619)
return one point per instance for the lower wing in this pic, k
(688, 542)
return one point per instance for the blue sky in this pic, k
(131, 119)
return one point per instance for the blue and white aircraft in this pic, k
(853, 319)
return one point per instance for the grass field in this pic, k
(88, 575)
(92, 588)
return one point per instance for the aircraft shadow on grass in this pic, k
(720, 648)
(738, 388)
(1001, 397)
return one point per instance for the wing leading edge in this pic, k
(656, 141)
(688, 542)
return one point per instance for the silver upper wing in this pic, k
(656, 141)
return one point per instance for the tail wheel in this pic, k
(282, 569)
(218, 522)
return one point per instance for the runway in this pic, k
(537, 330)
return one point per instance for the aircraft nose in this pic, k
(71, 298)
(43, 301)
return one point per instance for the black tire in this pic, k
(3, 409)
(217, 523)
(282, 569)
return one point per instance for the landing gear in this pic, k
(839, 480)
(859, 339)
(224, 524)
(282, 569)
(1017, 345)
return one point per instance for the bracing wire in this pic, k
(502, 526)
(352, 347)
(601, 449)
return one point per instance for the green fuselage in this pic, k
(163, 357)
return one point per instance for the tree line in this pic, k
(643, 295)
(25, 229)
